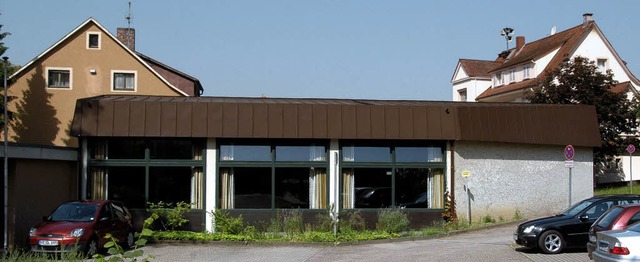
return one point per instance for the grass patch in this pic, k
(618, 189)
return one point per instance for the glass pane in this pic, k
(411, 187)
(171, 149)
(366, 154)
(252, 187)
(300, 153)
(93, 41)
(418, 154)
(292, 187)
(245, 153)
(372, 187)
(126, 149)
(170, 184)
(434, 154)
(127, 184)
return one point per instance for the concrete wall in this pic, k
(504, 178)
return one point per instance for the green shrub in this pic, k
(352, 220)
(227, 224)
(324, 222)
(488, 219)
(392, 221)
(292, 222)
(171, 216)
(517, 215)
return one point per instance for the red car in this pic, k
(83, 225)
(617, 217)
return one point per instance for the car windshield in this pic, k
(578, 207)
(75, 212)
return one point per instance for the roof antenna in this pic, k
(507, 32)
(129, 26)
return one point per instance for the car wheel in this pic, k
(130, 240)
(551, 242)
(91, 248)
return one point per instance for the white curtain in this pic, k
(348, 199)
(226, 188)
(318, 188)
(436, 185)
(197, 185)
(99, 174)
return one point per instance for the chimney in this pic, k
(127, 36)
(519, 42)
(586, 18)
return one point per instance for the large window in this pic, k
(410, 176)
(139, 171)
(124, 81)
(59, 78)
(279, 175)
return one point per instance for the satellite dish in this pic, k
(553, 30)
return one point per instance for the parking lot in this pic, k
(492, 244)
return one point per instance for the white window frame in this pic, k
(605, 65)
(99, 34)
(460, 94)
(526, 71)
(135, 80)
(500, 79)
(47, 69)
(512, 75)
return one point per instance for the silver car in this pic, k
(618, 245)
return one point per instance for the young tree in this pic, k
(10, 69)
(579, 81)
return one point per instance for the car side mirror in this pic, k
(584, 218)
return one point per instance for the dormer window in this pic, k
(462, 93)
(93, 40)
(526, 72)
(500, 78)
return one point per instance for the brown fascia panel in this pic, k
(335, 119)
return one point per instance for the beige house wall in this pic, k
(44, 114)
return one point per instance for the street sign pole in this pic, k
(569, 153)
(631, 148)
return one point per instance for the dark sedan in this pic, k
(570, 228)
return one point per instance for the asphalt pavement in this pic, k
(490, 244)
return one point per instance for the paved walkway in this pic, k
(493, 244)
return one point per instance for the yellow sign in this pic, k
(466, 173)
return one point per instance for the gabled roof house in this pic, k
(516, 70)
(88, 61)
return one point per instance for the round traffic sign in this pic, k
(569, 153)
(631, 148)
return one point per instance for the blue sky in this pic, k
(364, 49)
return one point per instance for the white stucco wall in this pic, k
(505, 177)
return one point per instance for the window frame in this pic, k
(94, 33)
(605, 65)
(274, 164)
(462, 94)
(135, 80)
(393, 165)
(512, 75)
(70, 71)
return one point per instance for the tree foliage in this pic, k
(10, 69)
(579, 81)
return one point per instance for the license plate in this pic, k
(48, 242)
(515, 237)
